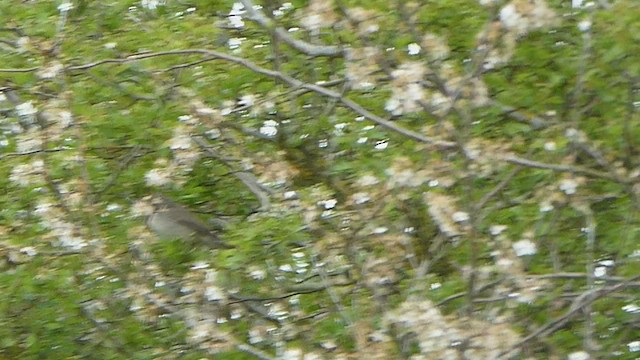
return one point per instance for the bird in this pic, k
(170, 220)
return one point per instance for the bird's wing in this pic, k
(198, 226)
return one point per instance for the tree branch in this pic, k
(304, 47)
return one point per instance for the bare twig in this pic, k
(15, 30)
(536, 122)
(291, 81)
(25, 70)
(562, 168)
(485, 199)
(43, 117)
(293, 291)
(615, 279)
(33, 152)
(578, 304)
(282, 34)
(13, 44)
(574, 102)
(255, 352)
(347, 103)
(123, 164)
(590, 230)
(257, 134)
(248, 179)
(464, 293)
(187, 65)
(335, 299)
(627, 133)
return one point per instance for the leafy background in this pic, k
(448, 180)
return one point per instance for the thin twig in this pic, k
(255, 352)
(25, 70)
(282, 34)
(562, 168)
(33, 152)
(590, 249)
(291, 81)
(485, 199)
(536, 122)
(462, 294)
(248, 179)
(588, 297)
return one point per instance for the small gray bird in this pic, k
(170, 221)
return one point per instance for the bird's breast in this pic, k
(166, 228)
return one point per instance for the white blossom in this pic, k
(368, 180)
(180, 140)
(580, 4)
(329, 204)
(236, 21)
(29, 250)
(631, 308)
(546, 206)
(292, 354)
(258, 274)
(199, 265)
(510, 17)
(255, 337)
(234, 43)
(152, 4)
(497, 229)
(380, 230)
(65, 7)
(600, 271)
(157, 177)
(290, 195)
(584, 25)
(568, 186)
(114, 207)
(525, 248)
(607, 263)
(550, 146)
(26, 109)
(460, 216)
(50, 71)
(66, 118)
(286, 268)
(237, 9)
(213, 293)
(269, 128)
(381, 145)
(247, 100)
(413, 49)
(360, 198)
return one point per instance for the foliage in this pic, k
(424, 180)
